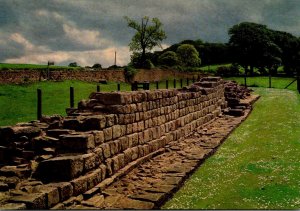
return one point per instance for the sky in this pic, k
(90, 31)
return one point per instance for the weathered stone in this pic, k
(32, 201)
(106, 150)
(116, 131)
(13, 206)
(10, 171)
(108, 133)
(76, 142)
(52, 194)
(99, 137)
(51, 170)
(95, 122)
(72, 124)
(3, 187)
(16, 132)
(89, 162)
(110, 120)
(65, 190)
(95, 201)
(79, 185)
(131, 204)
(57, 132)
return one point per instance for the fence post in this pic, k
(245, 77)
(187, 81)
(119, 86)
(174, 83)
(71, 97)
(181, 83)
(157, 87)
(167, 84)
(98, 88)
(270, 81)
(39, 104)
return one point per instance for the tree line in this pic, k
(250, 45)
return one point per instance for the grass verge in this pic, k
(257, 167)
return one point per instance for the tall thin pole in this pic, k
(115, 58)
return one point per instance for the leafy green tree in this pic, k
(188, 55)
(97, 66)
(73, 64)
(147, 36)
(168, 58)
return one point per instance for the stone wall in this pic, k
(106, 134)
(21, 76)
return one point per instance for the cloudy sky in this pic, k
(90, 31)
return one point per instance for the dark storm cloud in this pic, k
(70, 26)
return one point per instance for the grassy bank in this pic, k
(7, 66)
(258, 165)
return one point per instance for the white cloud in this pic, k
(88, 38)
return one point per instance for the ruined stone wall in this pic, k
(104, 135)
(22, 76)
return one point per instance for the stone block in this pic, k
(109, 166)
(76, 143)
(32, 200)
(99, 155)
(72, 124)
(94, 178)
(52, 194)
(115, 164)
(114, 147)
(116, 131)
(133, 139)
(79, 185)
(16, 132)
(51, 170)
(95, 122)
(98, 137)
(141, 126)
(13, 206)
(103, 171)
(124, 143)
(127, 156)
(135, 153)
(89, 161)
(121, 158)
(57, 132)
(65, 189)
(110, 98)
(134, 127)
(110, 120)
(108, 134)
(128, 128)
(106, 150)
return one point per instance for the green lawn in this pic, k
(262, 81)
(257, 167)
(18, 103)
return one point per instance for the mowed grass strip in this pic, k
(18, 103)
(257, 167)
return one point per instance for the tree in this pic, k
(97, 66)
(146, 37)
(188, 55)
(168, 58)
(73, 64)
(253, 46)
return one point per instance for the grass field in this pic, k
(257, 167)
(18, 103)
(6, 66)
(276, 82)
